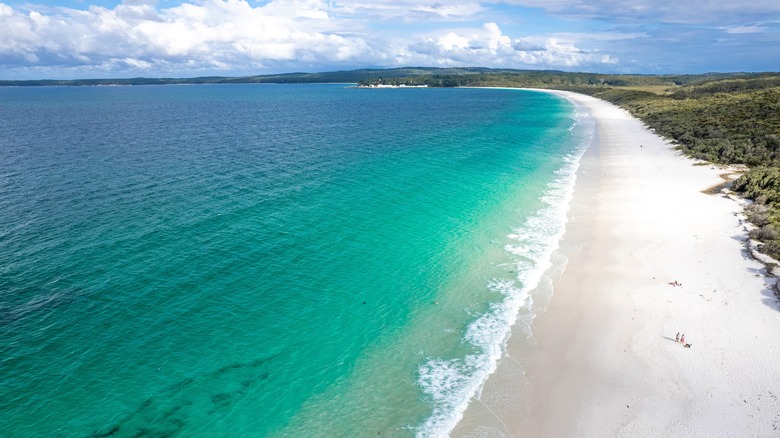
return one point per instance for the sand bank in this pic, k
(604, 361)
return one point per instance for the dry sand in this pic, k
(605, 362)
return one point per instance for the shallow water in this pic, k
(268, 260)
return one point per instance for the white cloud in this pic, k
(139, 37)
(718, 12)
(193, 35)
(744, 29)
(137, 63)
(489, 46)
(599, 36)
(453, 41)
(411, 10)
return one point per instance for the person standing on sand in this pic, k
(677, 338)
(682, 339)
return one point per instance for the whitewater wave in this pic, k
(450, 384)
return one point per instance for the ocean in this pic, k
(269, 260)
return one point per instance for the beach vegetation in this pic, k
(757, 213)
(767, 233)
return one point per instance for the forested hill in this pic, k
(345, 76)
(434, 77)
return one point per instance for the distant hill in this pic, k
(433, 76)
(344, 76)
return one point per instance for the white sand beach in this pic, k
(605, 361)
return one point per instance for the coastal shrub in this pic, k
(760, 184)
(769, 236)
(768, 232)
(757, 213)
(770, 248)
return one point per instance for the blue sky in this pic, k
(184, 38)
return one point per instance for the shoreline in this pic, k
(604, 361)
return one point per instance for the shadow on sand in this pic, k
(770, 294)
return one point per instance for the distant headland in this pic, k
(410, 76)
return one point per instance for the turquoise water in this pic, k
(266, 260)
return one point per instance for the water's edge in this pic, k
(539, 261)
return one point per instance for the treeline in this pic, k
(536, 79)
(492, 79)
(341, 76)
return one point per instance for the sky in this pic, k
(65, 39)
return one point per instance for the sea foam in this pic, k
(452, 383)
